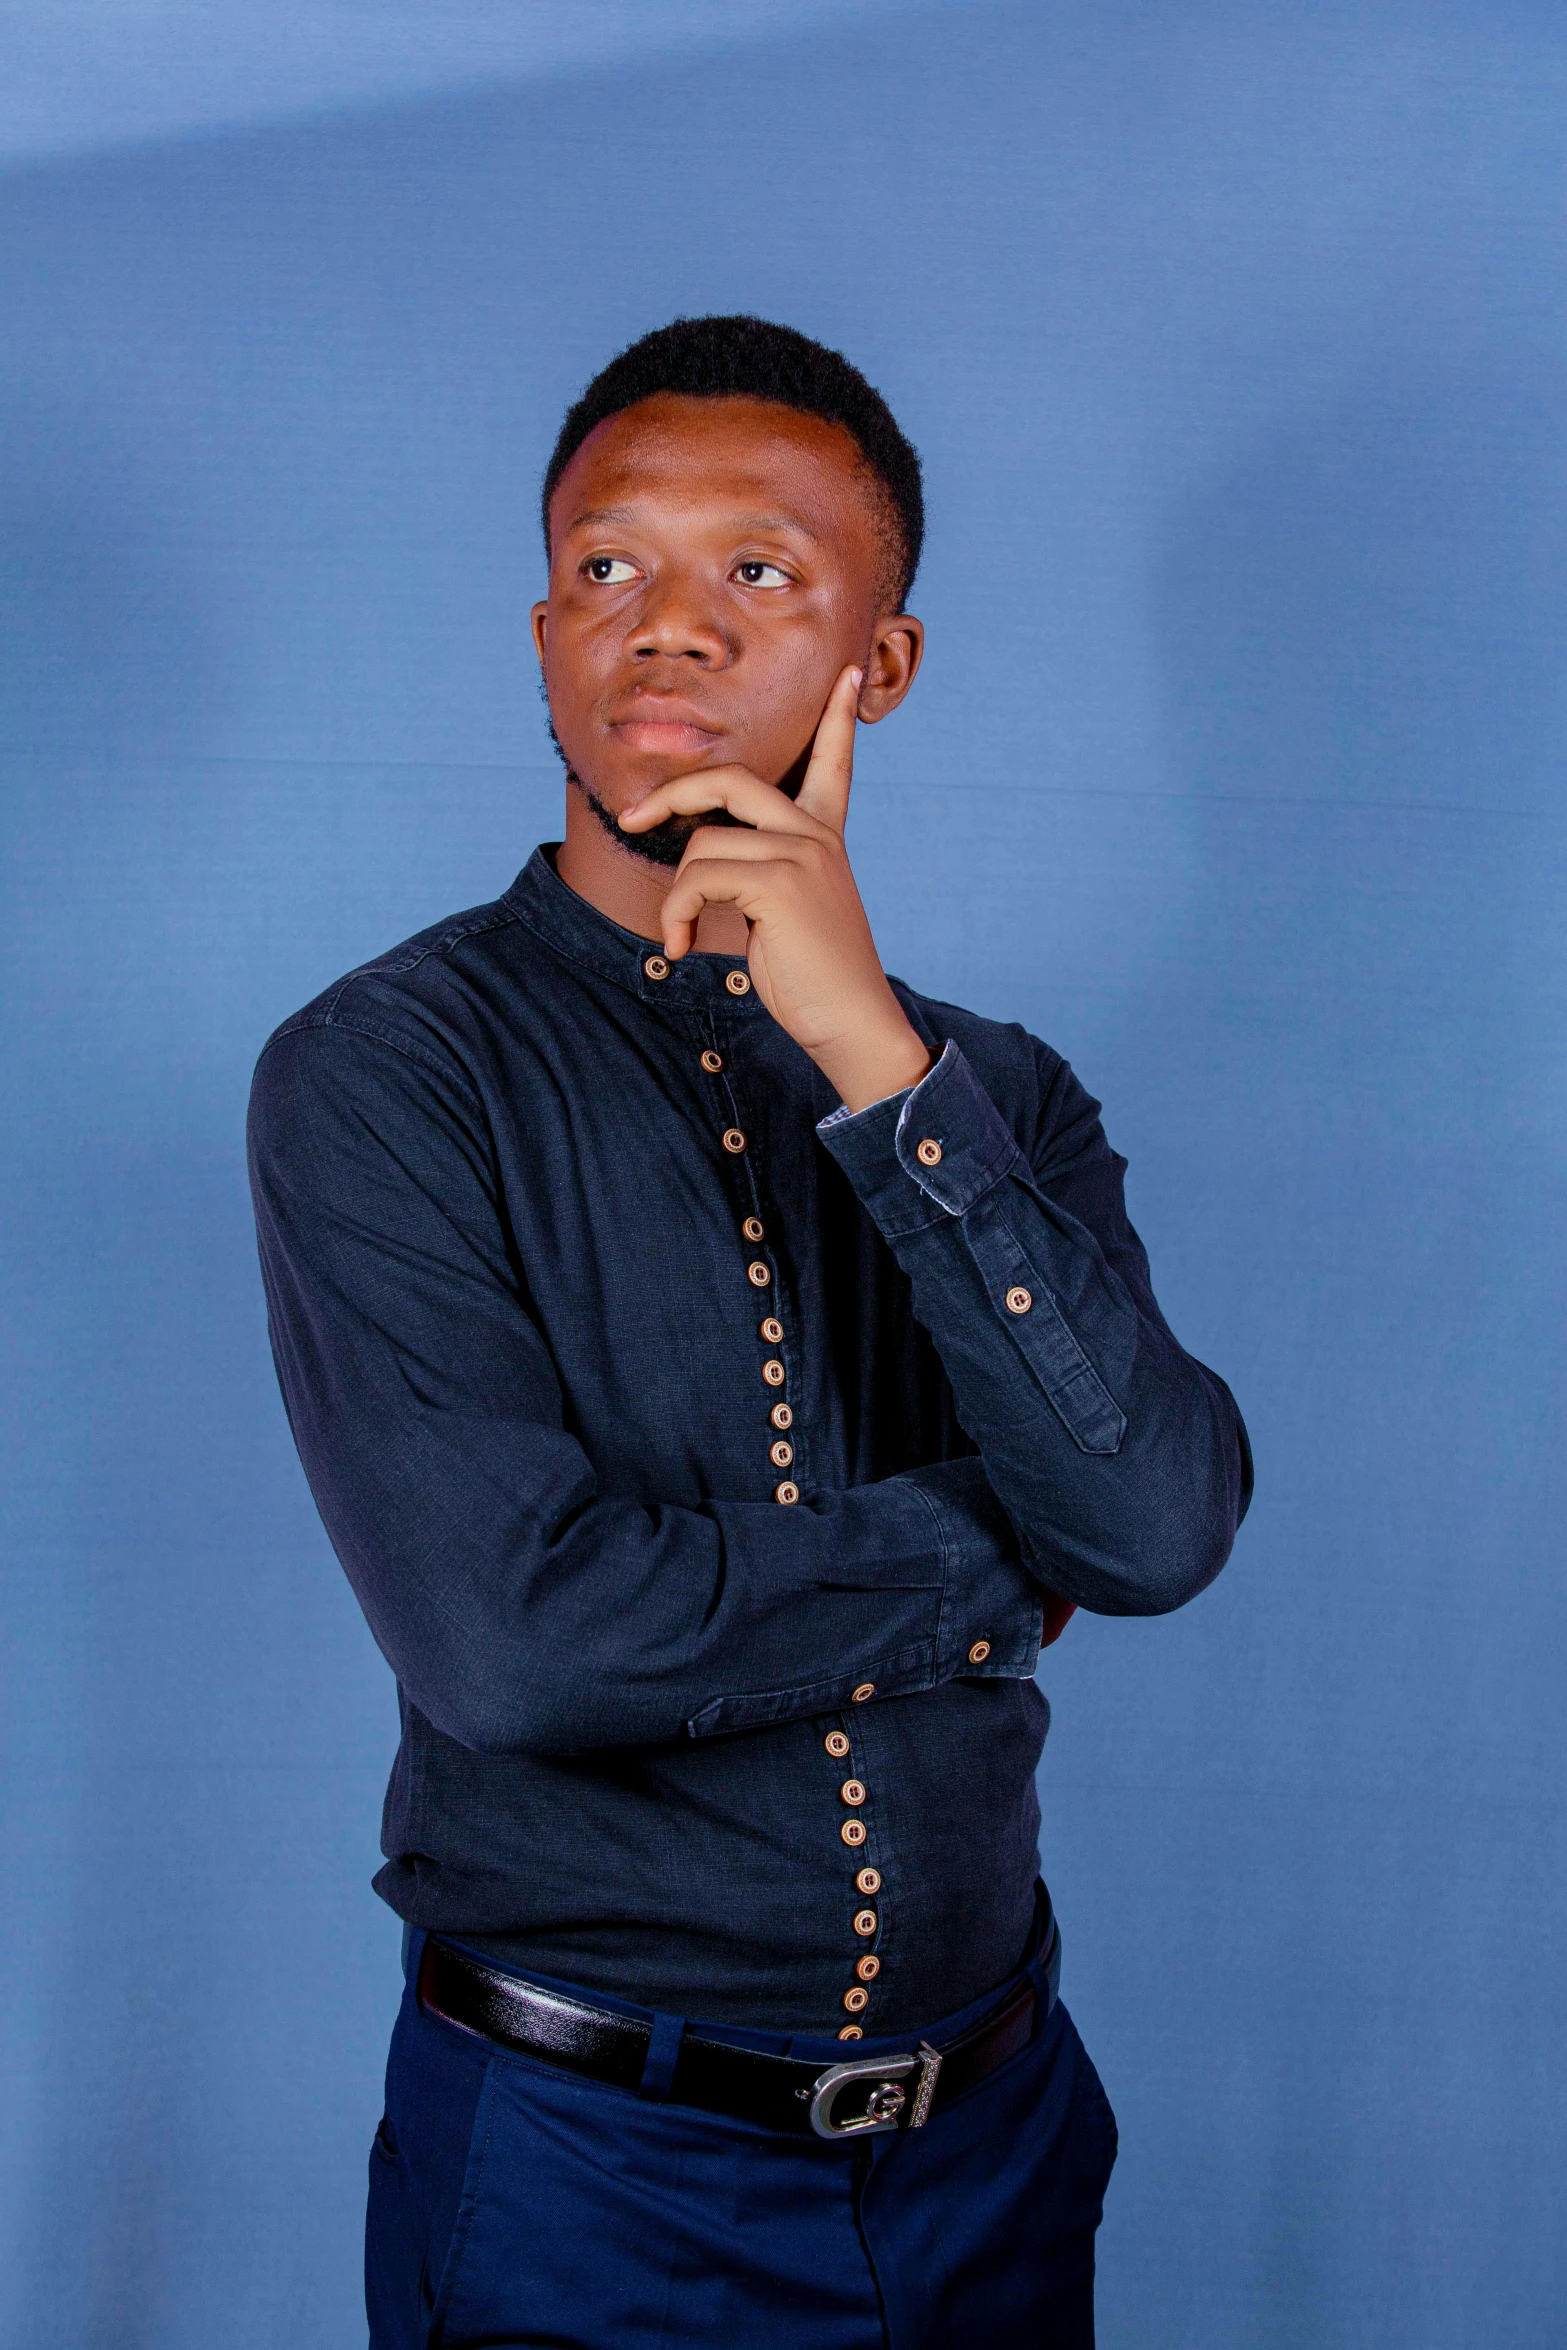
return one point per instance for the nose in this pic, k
(676, 621)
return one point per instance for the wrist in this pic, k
(872, 1064)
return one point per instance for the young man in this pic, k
(719, 1368)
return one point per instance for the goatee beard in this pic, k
(665, 845)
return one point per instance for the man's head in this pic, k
(732, 516)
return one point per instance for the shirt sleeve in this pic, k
(521, 1607)
(1122, 1461)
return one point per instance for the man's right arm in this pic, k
(521, 1608)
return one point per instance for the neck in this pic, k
(628, 889)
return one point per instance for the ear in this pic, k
(891, 665)
(537, 618)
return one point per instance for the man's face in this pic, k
(715, 564)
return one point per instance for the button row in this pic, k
(760, 1274)
(867, 1881)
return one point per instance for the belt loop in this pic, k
(663, 2054)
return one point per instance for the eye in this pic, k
(608, 570)
(762, 575)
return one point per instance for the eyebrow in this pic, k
(627, 514)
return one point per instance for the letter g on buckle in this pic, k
(882, 2107)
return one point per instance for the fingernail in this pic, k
(858, 676)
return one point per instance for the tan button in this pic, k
(865, 1922)
(782, 1414)
(1019, 1301)
(857, 2000)
(869, 1967)
(978, 1653)
(781, 1454)
(868, 1881)
(752, 1228)
(836, 1743)
(656, 967)
(773, 1373)
(758, 1274)
(772, 1330)
(851, 2032)
(865, 1689)
(853, 1831)
(786, 1491)
(852, 1791)
(712, 1062)
(928, 1153)
(737, 983)
(734, 1140)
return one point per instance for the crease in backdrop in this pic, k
(1234, 346)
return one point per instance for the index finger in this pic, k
(743, 794)
(825, 792)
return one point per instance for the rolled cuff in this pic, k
(925, 1154)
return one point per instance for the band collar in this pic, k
(698, 982)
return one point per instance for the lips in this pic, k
(669, 735)
(670, 728)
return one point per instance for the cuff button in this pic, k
(978, 1653)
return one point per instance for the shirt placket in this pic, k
(857, 1834)
(780, 1366)
(779, 1361)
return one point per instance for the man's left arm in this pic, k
(1122, 1462)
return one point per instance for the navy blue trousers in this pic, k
(514, 2204)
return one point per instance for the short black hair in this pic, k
(751, 358)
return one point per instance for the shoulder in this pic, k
(427, 997)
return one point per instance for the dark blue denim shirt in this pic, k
(701, 1456)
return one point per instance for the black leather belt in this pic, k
(855, 2099)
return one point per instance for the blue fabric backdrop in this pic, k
(1233, 339)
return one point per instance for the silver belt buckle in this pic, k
(884, 2107)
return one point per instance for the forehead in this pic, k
(719, 459)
